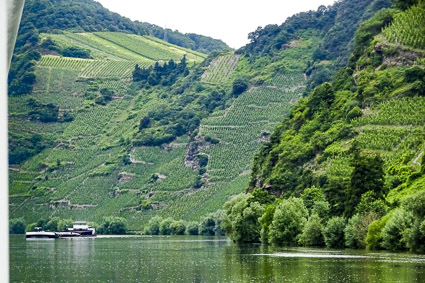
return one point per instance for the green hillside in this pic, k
(127, 125)
(348, 163)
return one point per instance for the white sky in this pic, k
(228, 20)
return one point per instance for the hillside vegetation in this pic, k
(347, 164)
(114, 124)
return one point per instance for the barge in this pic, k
(39, 234)
(79, 229)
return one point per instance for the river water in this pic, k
(200, 259)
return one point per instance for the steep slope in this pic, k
(373, 108)
(99, 136)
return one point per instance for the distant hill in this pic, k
(54, 16)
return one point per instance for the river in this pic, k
(200, 259)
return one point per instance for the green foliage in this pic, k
(17, 226)
(266, 220)
(312, 232)
(76, 52)
(333, 233)
(240, 220)
(355, 232)
(165, 226)
(392, 233)
(367, 175)
(178, 227)
(152, 227)
(113, 226)
(312, 195)
(239, 85)
(64, 224)
(370, 203)
(192, 228)
(288, 222)
(52, 224)
(408, 27)
(210, 224)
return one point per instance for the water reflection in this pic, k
(200, 259)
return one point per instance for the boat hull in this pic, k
(41, 235)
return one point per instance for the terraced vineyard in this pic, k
(408, 28)
(220, 69)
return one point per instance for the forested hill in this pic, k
(335, 25)
(90, 16)
(116, 124)
(347, 167)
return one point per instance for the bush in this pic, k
(152, 228)
(322, 209)
(288, 222)
(374, 233)
(239, 85)
(113, 226)
(192, 228)
(165, 226)
(64, 224)
(312, 232)
(334, 233)
(357, 228)
(76, 52)
(392, 234)
(266, 221)
(17, 226)
(178, 227)
(311, 195)
(52, 224)
(241, 219)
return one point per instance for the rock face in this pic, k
(397, 56)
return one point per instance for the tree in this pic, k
(165, 226)
(17, 226)
(192, 228)
(178, 227)
(152, 228)
(288, 222)
(113, 226)
(367, 175)
(333, 233)
(144, 123)
(312, 232)
(241, 219)
(312, 195)
(239, 85)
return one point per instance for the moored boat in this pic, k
(79, 229)
(39, 234)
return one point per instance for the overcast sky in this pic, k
(228, 20)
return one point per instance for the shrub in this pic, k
(76, 52)
(392, 234)
(239, 85)
(357, 228)
(17, 226)
(311, 195)
(288, 222)
(165, 226)
(374, 233)
(64, 224)
(312, 232)
(52, 224)
(113, 226)
(334, 233)
(178, 227)
(241, 219)
(266, 221)
(192, 228)
(152, 228)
